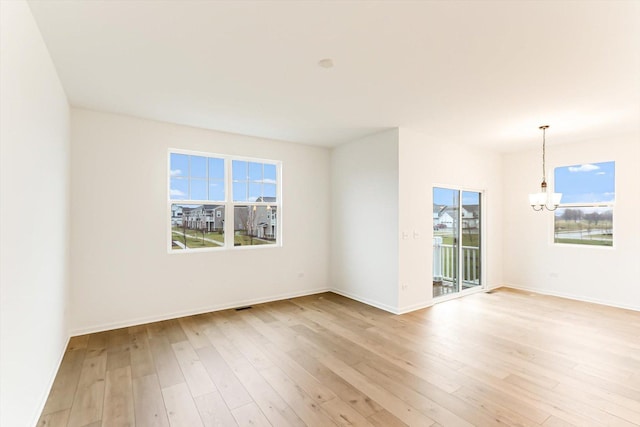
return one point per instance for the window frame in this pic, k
(228, 203)
(607, 204)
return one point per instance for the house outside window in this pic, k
(585, 216)
(219, 202)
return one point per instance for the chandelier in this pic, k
(544, 199)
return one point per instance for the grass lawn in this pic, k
(194, 239)
(467, 239)
(570, 225)
(585, 242)
(241, 240)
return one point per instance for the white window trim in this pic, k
(228, 203)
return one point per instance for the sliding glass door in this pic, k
(456, 241)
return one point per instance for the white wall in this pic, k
(122, 273)
(364, 199)
(34, 153)
(425, 163)
(532, 261)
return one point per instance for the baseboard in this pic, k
(359, 298)
(415, 307)
(572, 297)
(43, 399)
(381, 306)
(406, 309)
(191, 312)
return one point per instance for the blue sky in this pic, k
(586, 183)
(202, 178)
(582, 183)
(445, 196)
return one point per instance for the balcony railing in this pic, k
(444, 263)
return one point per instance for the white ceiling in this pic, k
(484, 73)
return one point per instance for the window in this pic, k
(204, 187)
(585, 216)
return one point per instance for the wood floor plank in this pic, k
(230, 388)
(332, 343)
(89, 396)
(169, 329)
(270, 403)
(435, 410)
(164, 359)
(117, 340)
(385, 418)
(250, 415)
(281, 359)
(362, 403)
(55, 419)
(118, 399)
(272, 331)
(343, 414)
(192, 369)
(141, 359)
(118, 359)
(238, 338)
(597, 414)
(193, 329)
(97, 344)
(557, 422)
(66, 381)
(263, 314)
(307, 382)
(619, 406)
(545, 404)
(148, 402)
(214, 411)
(309, 411)
(181, 408)
(388, 400)
(494, 408)
(507, 357)
(380, 348)
(78, 342)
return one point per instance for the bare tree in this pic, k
(251, 222)
(184, 230)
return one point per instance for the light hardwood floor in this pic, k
(500, 358)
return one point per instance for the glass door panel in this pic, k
(470, 239)
(456, 241)
(446, 219)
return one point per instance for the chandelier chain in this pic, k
(544, 173)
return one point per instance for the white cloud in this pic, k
(175, 172)
(583, 168)
(601, 173)
(269, 181)
(174, 192)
